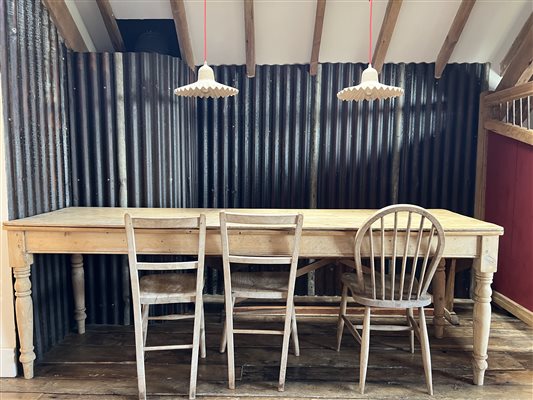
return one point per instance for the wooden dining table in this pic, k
(327, 233)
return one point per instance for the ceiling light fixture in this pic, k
(369, 88)
(206, 85)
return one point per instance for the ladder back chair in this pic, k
(166, 287)
(405, 244)
(264, 284)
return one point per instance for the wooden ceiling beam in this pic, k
(111, 24)
(317, 36)
(182, 31)
(513, 50)
(520, 65)
(453, 36)
(385, 33)
(65, 24)
(249, 35)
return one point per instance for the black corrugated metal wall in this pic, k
(34, 85)
(286, 141)
(133, 144)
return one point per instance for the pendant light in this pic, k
(206, 85)
(369, 88)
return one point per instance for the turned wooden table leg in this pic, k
(21, 262)
(439, 289)
(484, 268)
(24, 311)
(78, 288)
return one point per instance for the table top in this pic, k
(314, 219)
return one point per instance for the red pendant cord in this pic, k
(370, 42)
(205, 31)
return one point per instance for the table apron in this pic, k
(314, 244)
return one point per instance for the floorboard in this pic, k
(101, 364)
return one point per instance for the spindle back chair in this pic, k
(405, 244)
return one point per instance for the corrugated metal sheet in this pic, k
(34, 85)
(255, 148)
(123, 103)
(286, 141)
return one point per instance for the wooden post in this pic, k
(481, 159)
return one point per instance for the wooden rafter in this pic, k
(249, 31)
(65, 24)
(513, 50)
(453, 36)
(519, 60)
(385, 33)
(317, 35)
(111, 24)
(182, 30)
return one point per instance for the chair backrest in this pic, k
(195, 225)
(292, 223)
(408, 241)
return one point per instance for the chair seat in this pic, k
(167, 288)
(265, 284)
(363, 294)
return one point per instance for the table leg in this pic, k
(20, 261)
(439, 289)
(24, 311)
(78, 288)
(484, 268)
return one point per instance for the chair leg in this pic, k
(196, 339)
(202, 335)
(229, 341)
(342, 312)
(145, 309)
(285, 348)
(365, 345)
(424, 343)
(223, 339)
(294, 333)
(411, 332)
(139, 352)
(222, 347)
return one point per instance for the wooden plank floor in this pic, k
(101, 365)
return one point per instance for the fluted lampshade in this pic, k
(206, 86)
(369, 88)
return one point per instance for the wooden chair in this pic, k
(408, 241)
(166, 288)
(260, 285)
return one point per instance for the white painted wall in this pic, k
(8, 366)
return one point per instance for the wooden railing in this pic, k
(509, 112)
